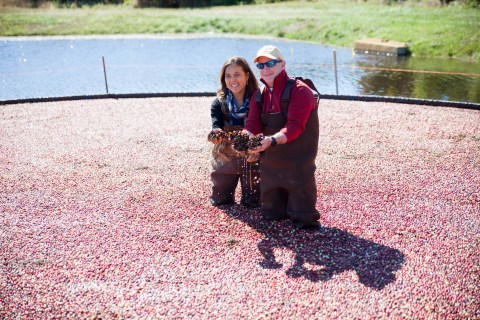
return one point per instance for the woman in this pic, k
(229, 111)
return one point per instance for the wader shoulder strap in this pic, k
(285, 101)
(286, 95)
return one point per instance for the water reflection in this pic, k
(32, 68)
(421, 78)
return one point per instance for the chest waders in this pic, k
(229, 167)
(288, 186)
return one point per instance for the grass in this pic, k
(451, 31)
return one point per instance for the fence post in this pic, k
(335, 68)
(105, 74)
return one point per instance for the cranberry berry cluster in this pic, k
(242, 142)
(216, 134)
(239, 139)
(255, 141)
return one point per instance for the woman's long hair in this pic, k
(252, 83)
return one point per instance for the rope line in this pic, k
(411, 101)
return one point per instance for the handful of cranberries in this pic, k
(242, 142)
(215, 134)
(255, 141)
(239, 140)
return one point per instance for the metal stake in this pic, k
(335, 68)
(105, 74)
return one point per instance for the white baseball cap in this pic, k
(269, 51)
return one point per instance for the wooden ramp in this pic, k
(381, 46)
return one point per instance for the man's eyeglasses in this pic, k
(270, 64)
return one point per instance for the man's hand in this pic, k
(245, 131)
(253, 157)
(264, 144)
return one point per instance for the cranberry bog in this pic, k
(104, 213)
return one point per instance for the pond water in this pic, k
(55, 67)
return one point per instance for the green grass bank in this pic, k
(448, 32)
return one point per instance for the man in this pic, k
(288, 151)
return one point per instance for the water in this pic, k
(54, 67)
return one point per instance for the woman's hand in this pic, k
(216, 136)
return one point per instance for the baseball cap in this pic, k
(269, 52)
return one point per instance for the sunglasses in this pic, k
(269, 64)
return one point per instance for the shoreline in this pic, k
(339, 24)
(159, 36)
(187, 36)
